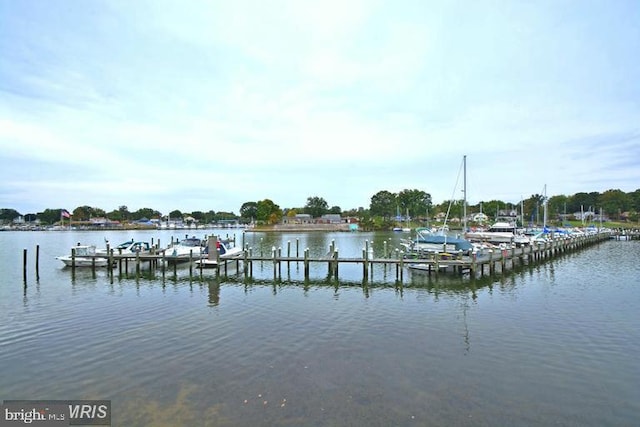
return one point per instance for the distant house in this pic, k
(440, 216)
(479, 217)
(584, 216)
(298, 219)
(99, 221)
(508, 213)
(351, 220)
(330, 219)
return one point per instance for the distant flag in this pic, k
(65, 213)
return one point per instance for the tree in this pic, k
(614, 202)
(175, 214)
(535, 205)
(124, 213)
(49, 216)
(582, 201)
(416, 202)
(316, 206)
(384, 204)
(85, 213)
(145, 213)
(249, 211)
(225, 216)
(453, 208)
(268, 211)
(634, 199)
(557, 205)
(335, 210)
(8, 215)
(198, 215)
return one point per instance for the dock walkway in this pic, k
(477, 264)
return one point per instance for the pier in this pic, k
(478, 264)
(489, 262)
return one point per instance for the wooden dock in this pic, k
(626, 235)
(488, 262)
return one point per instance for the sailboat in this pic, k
(407, 229)
(399, 218)
(429, 241)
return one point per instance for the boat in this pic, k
(85, 256)
(438, 241)
(406, 228)
(428, 241)
(504, 230)
(185, 250)
(130, 247)
(226, 250)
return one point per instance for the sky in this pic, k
(205, 105)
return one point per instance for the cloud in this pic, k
(207, 105)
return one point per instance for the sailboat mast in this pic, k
(544, 204)
(464, 190)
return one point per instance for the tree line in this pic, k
(387, 205)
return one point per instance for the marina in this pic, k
(556, 339)
(477, 263)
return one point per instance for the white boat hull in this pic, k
(83, 262)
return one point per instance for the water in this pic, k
(553, 344)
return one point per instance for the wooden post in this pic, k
(473, 265)
(250, 262)
(37, 262)
(279, 262)
(164, 263)
(491, 263)
(306, 263)
(297, 246)
(245, 265)
(190, 263)
(73, 257)
(365, 266)
(137, 264)
(273, 255)
(24, 265)
(288, 252)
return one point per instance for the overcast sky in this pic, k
(204, 105)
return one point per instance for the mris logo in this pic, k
(50, 413)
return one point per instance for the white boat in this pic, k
(501, 231)
(130, 247)
(85, 256)
(428, 241)
(183, 251)
(226, 249)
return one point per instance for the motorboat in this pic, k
(184, 250)
(130, 247)
(84, 256)
(226, 250)
(427, 241)
(501, 231)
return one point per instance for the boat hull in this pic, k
(83, 262)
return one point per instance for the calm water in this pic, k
(554, 344)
